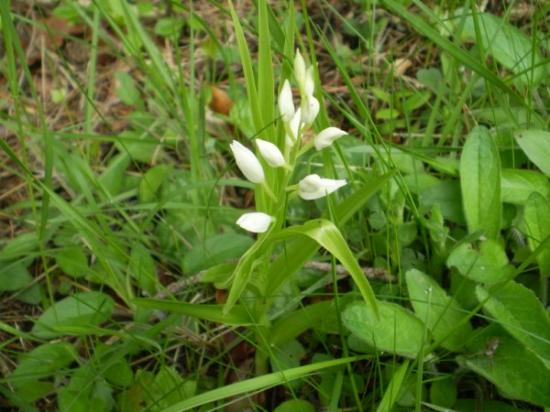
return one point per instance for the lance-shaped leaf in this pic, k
(537, 225)
(536, 145)
(327, 235)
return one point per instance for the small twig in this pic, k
(371, 273)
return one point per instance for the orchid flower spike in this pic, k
(271, 153)
(247, 162)
(314, 187)
(286, 104)
(327, 136)
(255, 222)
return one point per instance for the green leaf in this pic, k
(516, 371)
(517, 185)
(143, 268)
(238, 315)
(536, 145)
(151, 182)
(169, 26)
(328, 236)
(73, 261)
(42, 362)
(126, 89)
(14, 276)
(394, 388)
(537, 225)
(439, 311)
(22, 245)
(518, 310)
(295, 405)
(256, 384)
(480, 183)
(396, 330)
(487, 263)
(112, 177)
(215, 250)
(168, 387)
(295, 323)
(85, 309)
(508, 45)
(443, 392)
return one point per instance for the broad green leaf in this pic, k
(506, 44)
(536, 145)
(84, 310)
(258, 383)
(20, 246)
(517, 185)
(87, 387)
(287, 355)
(477, 405)
(394, 388)
(14, 276)
(447, 197)
(518, 310)
(295, 323)
(480, 183)
(42, 362)
(328, 236)
(437, 310)
(169, 26)
(112, 177)
(396, 330)
(537, 225)
(516, 371)
(126, 88)
(151, 182)
(169, 387)
(215, 250)
(238, 315)
(485, 262)
(299, 251)
(73, 261)
(443, 392)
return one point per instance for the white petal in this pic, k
(309, 85)
(255, 222)
(247, 162)
(286, 104)
(295, 125)
(299, 68)
(270, 153)
(314, 187)
(310, 109)
(327, 136)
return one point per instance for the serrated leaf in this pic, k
(440, 312)
(480, 183)
(396, 330)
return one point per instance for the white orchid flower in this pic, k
(286, 104)
(309, 83)
(247, 162)
(255, 222)
(310, 109)
(299, 69)
(314, 187)
(271, 153)
(327, 136)
(294, 128)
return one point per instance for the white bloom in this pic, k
(327, 136)
(299, 68)
(255, 222)
(309, 84)
(310, 109)
(247, 162)
(286, 104)
(270, 153)
(294, 127)
(314, 187)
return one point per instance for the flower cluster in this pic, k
(295, 121)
